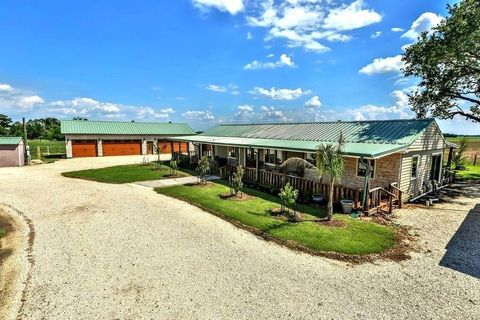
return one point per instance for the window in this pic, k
(362, 167)
(414, 167)
(232, 152)
(250, 154)
(270, 156)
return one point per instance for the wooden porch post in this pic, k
(450, 156)
(365, 184)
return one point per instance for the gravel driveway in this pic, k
(124, 252)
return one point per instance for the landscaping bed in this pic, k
(127, 173)
(343, 237)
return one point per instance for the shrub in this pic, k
(173, 167)
(237, 181)
(203, 167)
(288, 197)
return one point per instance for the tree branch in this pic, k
(467, 115)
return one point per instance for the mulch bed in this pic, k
(238, 197)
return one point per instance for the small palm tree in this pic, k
(330, 163)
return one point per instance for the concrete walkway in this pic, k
(171, 182)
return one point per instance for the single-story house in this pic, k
(404, 157)
(85, 138)
(12, 152)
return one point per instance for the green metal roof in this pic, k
(10, 140)
(124, 128)
(363, 138)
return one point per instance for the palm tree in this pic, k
(330, 163)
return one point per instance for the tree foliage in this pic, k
(459, 159)
(447, 61)
(46, 128)
(330, 163)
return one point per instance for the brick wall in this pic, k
(387, 170)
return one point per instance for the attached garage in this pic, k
(84, 148)
(121, 147)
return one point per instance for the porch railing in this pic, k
(377, 198)
(276, 180)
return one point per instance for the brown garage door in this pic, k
(180, 147)
(121, 147)
(165, 147)
(84, 148)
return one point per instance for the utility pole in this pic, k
(25, 142)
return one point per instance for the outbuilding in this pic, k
(12, 152)
(85, 138)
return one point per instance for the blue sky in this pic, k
(207, 62)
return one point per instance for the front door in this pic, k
(149, 147)
(436, 167)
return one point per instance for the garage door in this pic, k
(121, 147)
(165, 147)
(180, 147)
(84, 148)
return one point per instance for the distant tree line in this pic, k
(46, 128)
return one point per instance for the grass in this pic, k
(356, 237)
(54, 148)
(471, 173)
(125, 173)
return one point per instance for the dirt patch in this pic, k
(11, 243)
(242, 197)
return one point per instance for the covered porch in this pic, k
(379, 192)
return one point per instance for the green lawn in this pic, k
(471, 173)
(125, 173)
(356, 237)
(46, 146)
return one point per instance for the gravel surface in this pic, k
(124, 252)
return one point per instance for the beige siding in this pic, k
(429, 143)
(414, 187)
(431, 139)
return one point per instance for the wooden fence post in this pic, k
(39, 154)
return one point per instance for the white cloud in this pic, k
(313, 102)
(271, 114)
(199, 115)
(383, 65)
(231, 88)
(283, 61)
(351, 17)
(244, 112)
(279, 94)
(424, 22)
(5, 87)
(249, 35)
(148, 112)
(216, 88)
(305, 23)
(14, 99)
(397, 29)
(399, 110)
(376, 34)
(91, 108)
(230, 6)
